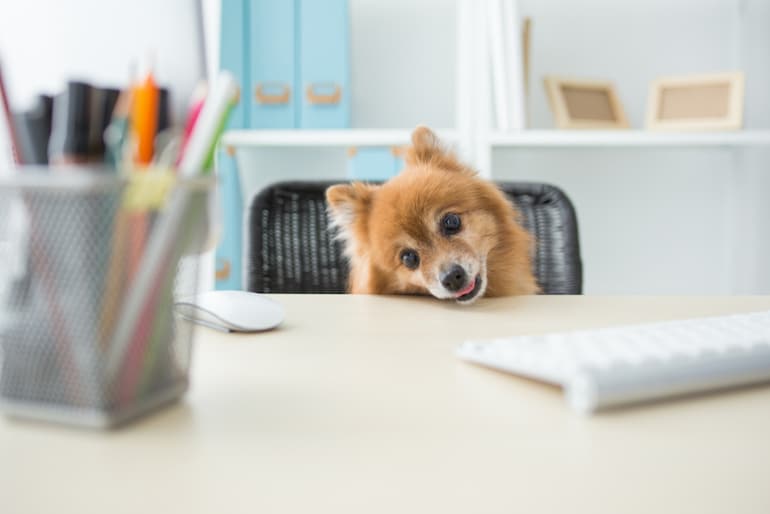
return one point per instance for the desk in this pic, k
(358, 405)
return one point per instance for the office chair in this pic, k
(290, 248)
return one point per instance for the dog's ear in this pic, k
(349, 202)
(425, 146)
(427, 149)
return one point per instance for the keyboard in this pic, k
(615, 366)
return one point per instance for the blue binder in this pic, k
(272, 64)
(324, 64)
(374, 164)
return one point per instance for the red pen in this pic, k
(14, 137)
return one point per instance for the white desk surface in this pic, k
(358, 405)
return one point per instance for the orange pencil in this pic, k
(144, 119)
(144, 123)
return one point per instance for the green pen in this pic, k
(117, 132)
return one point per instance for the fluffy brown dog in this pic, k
(436, 228)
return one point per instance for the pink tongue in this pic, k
(466, 290)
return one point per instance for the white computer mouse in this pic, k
(232, 311)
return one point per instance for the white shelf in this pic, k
(527, 138)
(628, 138)
(325, 138)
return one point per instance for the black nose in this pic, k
(454, 279)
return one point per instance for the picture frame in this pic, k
(584, 104)
(697, 102)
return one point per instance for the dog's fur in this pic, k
(377, 223)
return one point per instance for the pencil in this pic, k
(144, 124)
(144, 119)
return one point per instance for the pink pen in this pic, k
(196, 105)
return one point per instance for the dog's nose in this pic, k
(454, 279)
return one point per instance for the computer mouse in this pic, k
(232, 311)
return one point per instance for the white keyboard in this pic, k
(614, 366)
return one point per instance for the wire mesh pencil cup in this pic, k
(89, 272)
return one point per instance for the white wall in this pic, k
(652, 221)
(44, 43)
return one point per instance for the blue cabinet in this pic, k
(292, 58)
(229, 265)
(233, 56)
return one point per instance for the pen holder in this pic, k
(90, 264)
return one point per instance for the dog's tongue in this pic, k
(467, 290)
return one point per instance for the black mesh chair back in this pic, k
(290, 248)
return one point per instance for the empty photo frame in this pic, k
(585, 104)
(696, 102)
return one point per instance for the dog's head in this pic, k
(428, 230)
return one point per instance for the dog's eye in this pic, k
(410, 259)
(450, 224)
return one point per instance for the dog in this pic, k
(436, 228)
